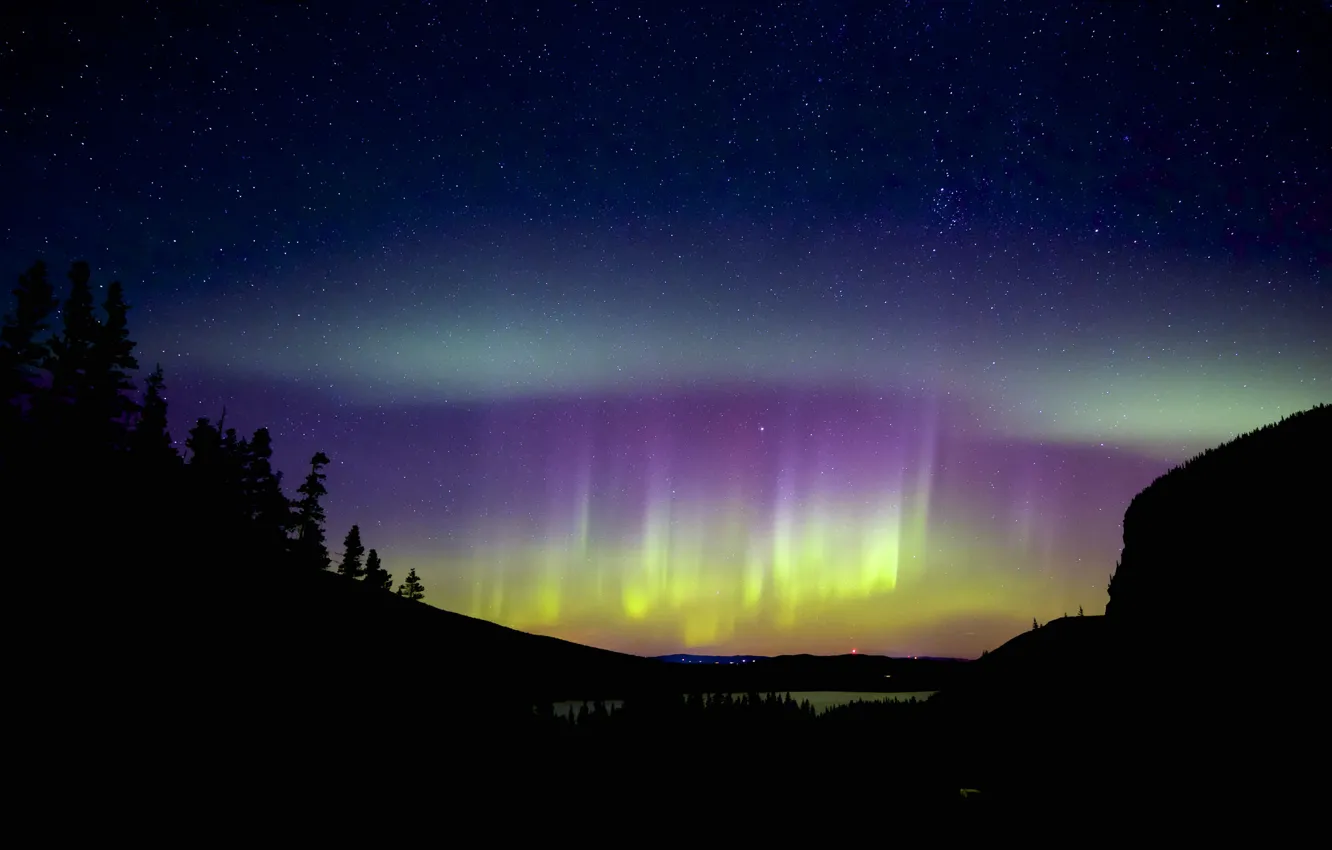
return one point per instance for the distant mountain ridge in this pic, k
(685, 658)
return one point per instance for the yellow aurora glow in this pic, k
(810, 578)
(741, 526)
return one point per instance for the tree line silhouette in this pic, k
(721, 712)
(89, 464)
(727, 749)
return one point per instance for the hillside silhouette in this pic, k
(467, 655)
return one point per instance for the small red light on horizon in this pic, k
(853, 652)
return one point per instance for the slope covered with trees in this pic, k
(142, 563)
(88, 462)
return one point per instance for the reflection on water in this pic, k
(818, 699)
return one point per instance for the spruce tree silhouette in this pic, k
(111, 361)
(157, 486)
(352, 552)
(269, 511)
(205, 447)
(25, 475)
(309, 547)
(65, 415)
(412, 587)
(234, 513)
(23, 349)
(375, 574)
(150, 440)
(71, 351)
(213, 485)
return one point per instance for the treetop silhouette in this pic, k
(412, 587)
(352, 552)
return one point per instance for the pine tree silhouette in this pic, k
(23, 345)
(268, 509)
(375, 574)
(234, 458)
(70, 361)
(205, 447)
(25, 358)
(412, 587)
(352, 552)
(309, 547)
(150, 440)
(65, 412)
(213, 482)
(111, 359)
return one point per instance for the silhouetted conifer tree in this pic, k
(111, 359)
(1080, 614)
(352, 552)
(309, 546)
(268, 509)
(213, 488)
(1034, 624)
(25, 354)
(234, 454)
(375, 574)
(150, 441)
(412, 587)
(70, 360)
(23, 344)
(205, 446)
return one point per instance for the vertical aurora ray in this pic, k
(784, 554)
(583, 506)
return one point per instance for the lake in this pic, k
(819, 699)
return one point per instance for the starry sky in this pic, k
(716, 327)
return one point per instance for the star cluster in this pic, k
(748, 327)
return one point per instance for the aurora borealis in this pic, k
(724, 328)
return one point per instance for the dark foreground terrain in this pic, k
(253, 706)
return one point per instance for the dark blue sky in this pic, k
(498, 259)
(181, 141)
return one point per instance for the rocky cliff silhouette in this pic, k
(1197, 691)
(1227, 542)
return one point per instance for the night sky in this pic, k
(771, 327)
